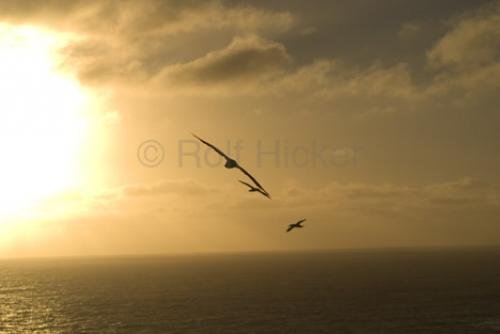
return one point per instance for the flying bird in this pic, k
(255, 189)
(296, 225)
(231, 163)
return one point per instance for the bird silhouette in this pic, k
(231, 163)
(255, 189)
(296, 225)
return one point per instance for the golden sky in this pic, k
(377, 121)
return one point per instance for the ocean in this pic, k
(370, 291)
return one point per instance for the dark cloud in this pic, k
(245, 59)
(364, 31)
(474, 41)
(132, 41)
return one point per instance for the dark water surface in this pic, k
(389, 291)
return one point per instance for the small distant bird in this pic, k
(231, 163)
(296, 225)
(255, 189)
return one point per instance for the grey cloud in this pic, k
(473, 41)
(245, 59)
(466, 62)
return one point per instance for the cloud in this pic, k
(219, 49)
(474, 41)
(246, 59)
(258, 68)
(339, 85)
(345, 88)
(466, 62)
(376, 203)
(132, 41)
(375, 81)
(465, 74)
(140, 18)
(42, 13)
(381, 214)
(359, 201)
(177, 187)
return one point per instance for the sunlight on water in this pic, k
(340, 292)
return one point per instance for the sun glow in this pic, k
(43, 121)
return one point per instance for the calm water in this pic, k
(438, 291)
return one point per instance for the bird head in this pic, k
(230, 163)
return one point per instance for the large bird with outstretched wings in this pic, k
(231, 163)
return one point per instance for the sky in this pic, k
(375, 120)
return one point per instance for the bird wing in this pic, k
(290, 227)
(300, 221)
(252, 178)
(238, 166)
(247, 184)
(257, 189)
(211, 146)
(264, 193)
